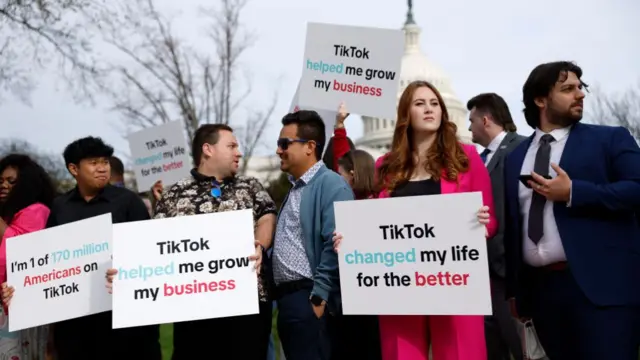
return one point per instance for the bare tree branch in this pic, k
(617, 109)
(253, 130)
(166, 80)
(231, 42)
(53, 164)
(36, 33)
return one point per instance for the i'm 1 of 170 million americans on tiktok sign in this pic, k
(59, 258)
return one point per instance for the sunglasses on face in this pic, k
(283, 143)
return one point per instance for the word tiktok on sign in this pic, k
(184, 268)
(159, 154)
(357, 65)
(58, 273)
(423, 255)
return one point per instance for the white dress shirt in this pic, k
(549, 249)
(494, 145)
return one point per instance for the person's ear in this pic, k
(311, 146)
(73, 169)
(540, 102)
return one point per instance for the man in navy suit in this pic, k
(572, 239)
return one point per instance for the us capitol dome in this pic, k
(415, 65)
(378, 132)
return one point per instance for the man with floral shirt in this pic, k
(214, 187)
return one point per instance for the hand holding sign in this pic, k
(342, 115)
(111, 274)
(157, 189)
(7, 294)
(257, 256)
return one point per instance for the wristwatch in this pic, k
(316, 300)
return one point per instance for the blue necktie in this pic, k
(483, 155)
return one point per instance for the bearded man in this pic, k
(572, 239)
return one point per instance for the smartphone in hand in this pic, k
(524, 179)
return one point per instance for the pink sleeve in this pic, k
(480, 181)
(32, 218)
(383, 193)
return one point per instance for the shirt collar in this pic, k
(203, 178)
(558, 134)
(102, 194)
(495, 143)
(307, 176)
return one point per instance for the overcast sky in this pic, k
(487, 45)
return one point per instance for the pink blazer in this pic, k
(475, 179)
(32, 218)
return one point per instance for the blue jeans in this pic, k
(303, 335)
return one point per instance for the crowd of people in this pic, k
(560, 210)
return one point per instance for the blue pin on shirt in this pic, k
(216, 191)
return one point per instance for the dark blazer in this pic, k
(495, 245)
(599, 230)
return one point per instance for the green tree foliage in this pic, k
(279, 188)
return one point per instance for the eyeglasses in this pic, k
(283, 143)
(216, 190)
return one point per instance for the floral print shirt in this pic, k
(192, 196)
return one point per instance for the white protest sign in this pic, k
(358, 65)
(160, 153)
(420, 255)
(184, 268)
(59, 273)
(329, 117)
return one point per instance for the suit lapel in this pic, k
(499, 154)
(514, 168)
(571, 148)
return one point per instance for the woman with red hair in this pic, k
(426, 158)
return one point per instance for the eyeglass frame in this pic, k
(284, 143)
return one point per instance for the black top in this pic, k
(91, 337)
(123, 204)
(417, 188)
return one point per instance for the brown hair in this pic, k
(540, 83)
(495, 105)
(363, 167)
(206, 134)
(445, 155)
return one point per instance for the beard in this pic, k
(563, 118)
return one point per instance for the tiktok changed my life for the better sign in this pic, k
(419, 255)
(58, 273)
(184, 268)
